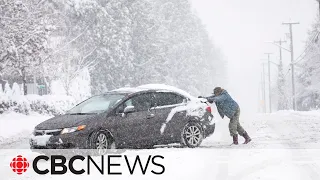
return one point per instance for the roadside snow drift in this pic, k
(14, 126)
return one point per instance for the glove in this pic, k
(210, 101)
(200, 97)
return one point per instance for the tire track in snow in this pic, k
(260, 165)
(296, 150)
(310, 169)
(20, 141)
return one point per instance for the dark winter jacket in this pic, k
(225, 104)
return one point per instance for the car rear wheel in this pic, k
(192, 135)
(102, 142)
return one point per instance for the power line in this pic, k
(280, 47)
(307, 49)
(305, 52)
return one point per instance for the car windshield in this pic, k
(96, 104)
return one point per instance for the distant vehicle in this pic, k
(128, 118)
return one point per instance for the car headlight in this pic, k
(73, 129)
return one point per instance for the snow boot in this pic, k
(235, 139)
(246, 137)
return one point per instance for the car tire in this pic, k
(192, 135)
(101, 141)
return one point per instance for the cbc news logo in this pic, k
(59, 164)
(19, 164)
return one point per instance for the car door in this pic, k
(168, 119)
(132, 127)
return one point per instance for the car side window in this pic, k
(141, 102)
(180, 99)
(164, 99)
(121, 108)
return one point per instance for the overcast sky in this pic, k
(240, 28)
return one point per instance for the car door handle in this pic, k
(149, 116)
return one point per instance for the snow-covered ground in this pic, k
(17, 128)
(285, 146)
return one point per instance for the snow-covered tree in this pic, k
(7, 90)
(171, 46)
(56, 88)
(1, 90)
(71, 68)
(81, 86)
(16, 92)
(281, 84)
(25, 29)
(122, 43)
(309, 79)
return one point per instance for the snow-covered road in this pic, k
(285, 146)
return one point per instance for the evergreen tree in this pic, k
(282, 98)
(309, 79)
(120, 42)
(24, 35)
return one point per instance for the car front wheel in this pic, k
(192, 135)
(101, 141)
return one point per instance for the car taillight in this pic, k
(208, 109)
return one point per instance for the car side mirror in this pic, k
(129, 109)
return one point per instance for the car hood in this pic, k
(65, 121)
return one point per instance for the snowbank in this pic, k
(15, 125)
(47, 104)
(294, 129)
(50, 104)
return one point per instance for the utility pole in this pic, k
(263, 89)
(280, 82)
(269, 81)
(280, 45)
(319, 7)
(260, 101)
(292, 64)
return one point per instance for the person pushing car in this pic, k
(228, 107)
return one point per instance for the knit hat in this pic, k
(217, 90)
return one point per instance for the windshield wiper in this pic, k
(81, 113)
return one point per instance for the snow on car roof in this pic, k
(127, 89)
(164, 87)
(160, 87)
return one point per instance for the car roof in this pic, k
(126, 90)
(152, 88)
